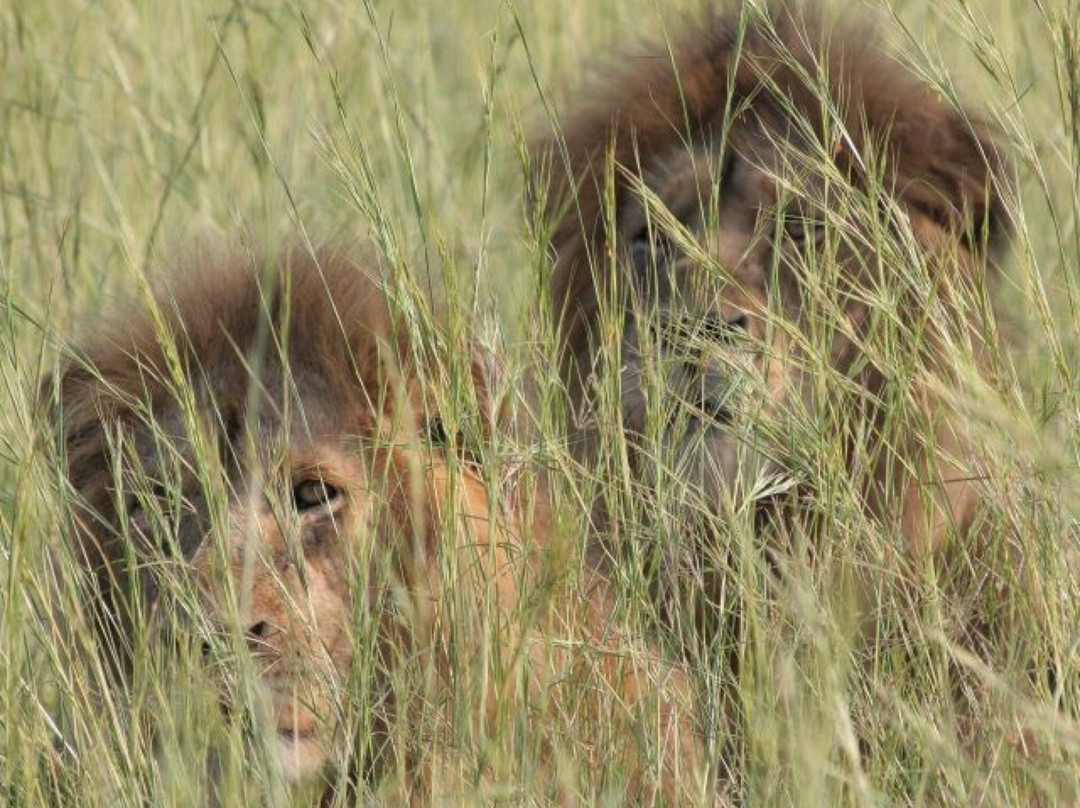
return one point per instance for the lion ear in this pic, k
(488, 375)
(71, 404)
(73, 412)
(482, 411)
(953, 170)
(45, 395)
(65, 401)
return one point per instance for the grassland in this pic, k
(137, 136)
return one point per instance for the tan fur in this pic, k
(292, 374)
(733, 113)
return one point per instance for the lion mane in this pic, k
(263, 435)
(712, 132)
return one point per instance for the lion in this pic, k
(263, 436)
(724, 211)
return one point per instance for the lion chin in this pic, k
(303, 750)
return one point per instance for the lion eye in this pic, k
(647, 253)
(311, 494)
(155, 492)
(802, 230)
(436, 432)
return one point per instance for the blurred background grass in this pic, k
(133, 131)
(133, 135)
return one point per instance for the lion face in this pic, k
(700, 332)
(280, 577)
(738, 206)
(281, 573)
(718, 252)
(283, 509)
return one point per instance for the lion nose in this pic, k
(717, 409)
(258, 632)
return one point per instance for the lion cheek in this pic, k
(301, 757)
(300, 718)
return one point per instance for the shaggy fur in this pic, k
(749, 125)
(284, 400)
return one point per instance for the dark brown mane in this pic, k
(317, 325)
(769, 72)
(333, 309)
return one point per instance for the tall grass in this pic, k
(134, 135)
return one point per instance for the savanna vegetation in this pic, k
(140, 139)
